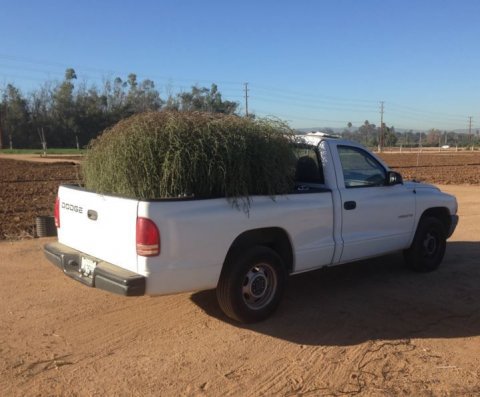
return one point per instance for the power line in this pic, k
(310, 95)
(410, 113)
(416, 110)
(110, 71)
(300, 117)
(270, 94)
(426, 117)
(297, 98)
(311, 105)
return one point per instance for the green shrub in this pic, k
(176, 154)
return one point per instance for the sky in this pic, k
(311, 63)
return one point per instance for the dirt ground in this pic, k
(455, 168)
(370, 328)
(27, 190)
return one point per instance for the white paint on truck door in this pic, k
(376, 218)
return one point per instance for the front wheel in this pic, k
(428, 246)
(251, 285)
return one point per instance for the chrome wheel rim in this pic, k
(259, 286)
(430, 244)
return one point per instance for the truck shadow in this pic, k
(375, 299)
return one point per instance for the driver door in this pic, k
(376, 218)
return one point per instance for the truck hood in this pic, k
(419, 185)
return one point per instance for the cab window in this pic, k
(308, 168)
(360, 168)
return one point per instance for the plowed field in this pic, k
(27, 190)
(445, 168)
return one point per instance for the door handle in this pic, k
(93, 215)
(349, 205)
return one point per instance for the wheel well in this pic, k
(441, 213)
(274, 238)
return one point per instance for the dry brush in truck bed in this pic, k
(177, 154)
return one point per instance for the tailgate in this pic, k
(100, 226)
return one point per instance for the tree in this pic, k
(40, 105)
(64, 111)
(68, 113)
(206, 100)
(433, 137)
(116, 99)
(70, 74)
(409, 138)
(389, 136)
(142, 97)
(368, 134)
(90, 114)
(15, 117)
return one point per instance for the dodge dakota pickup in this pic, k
(346, 205)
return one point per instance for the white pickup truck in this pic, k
(346, 206)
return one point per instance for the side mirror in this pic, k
(394, 178)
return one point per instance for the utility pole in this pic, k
(246, 99)
(470, 129)
(41, 134)
(380, 140)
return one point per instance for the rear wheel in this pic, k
(251, 285)
(428, 246)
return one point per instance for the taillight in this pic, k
(148, 238)
(57, 212)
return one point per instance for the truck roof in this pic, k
(314, 138)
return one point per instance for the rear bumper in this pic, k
(105, 275)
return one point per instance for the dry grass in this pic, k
(191, 154)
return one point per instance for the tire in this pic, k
(428, 246)
(251, 285)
